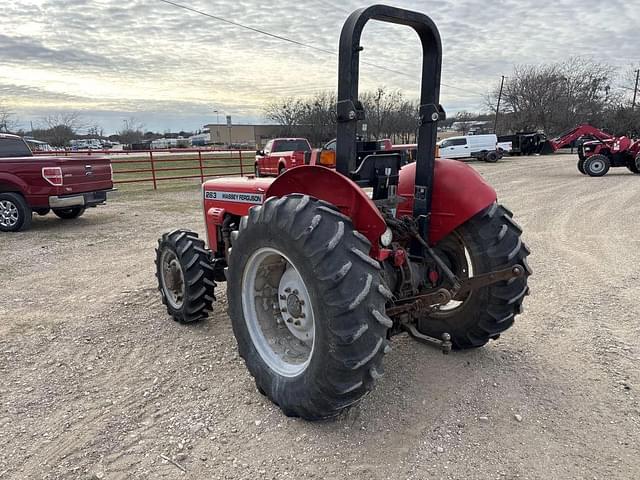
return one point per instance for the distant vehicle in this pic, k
(86, 144)
(483, 147)
(66, 185)
(38, 146)
(280, 154)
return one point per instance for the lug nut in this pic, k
(283, 309)
(297, 323)
(302, 315)
(295, 292)
(287, 290)
(283, 297)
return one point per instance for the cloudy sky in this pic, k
(171, 69)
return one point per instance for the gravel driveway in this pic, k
(97, 381)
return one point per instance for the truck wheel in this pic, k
(307, 306)
(185, 276)
(42, 211)
(596, 165)
(15, 213)
(489, 241)
(491, 157)
(581, 165)
(69, 213)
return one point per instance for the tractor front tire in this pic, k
(596, 165)
(15, 213)
(581, 165)
(489, 241)
(185, 276)
(307, 306)
(69, 213)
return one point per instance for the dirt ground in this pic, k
(97, 382)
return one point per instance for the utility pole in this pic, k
(635, 90)
(495, 127)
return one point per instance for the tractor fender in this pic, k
(459, 193)
(326, 184)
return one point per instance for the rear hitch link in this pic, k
(430, 302)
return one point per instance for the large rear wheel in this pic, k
(489, 241)
(634, 165)
(307, 306)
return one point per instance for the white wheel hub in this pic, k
(294, 302)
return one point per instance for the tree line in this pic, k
(556, 97)
(551, 98)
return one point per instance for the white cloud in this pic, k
(172, 68)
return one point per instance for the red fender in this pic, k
(328, 185)
(459, 193)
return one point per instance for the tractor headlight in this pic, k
(386, 238)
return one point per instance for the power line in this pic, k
(298, 43)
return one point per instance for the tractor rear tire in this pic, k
(596, 165)
(307, 306)
(15, 213)
(634, 165)
(185, 276)
(581, 165)
(69, 213)
(491, 241)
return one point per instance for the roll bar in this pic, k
(350, 109)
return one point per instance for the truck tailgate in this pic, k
(85, 174)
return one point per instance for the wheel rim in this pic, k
(9, 214)
(458, 259)
(278, 312)
(596, 166)
(172, 278)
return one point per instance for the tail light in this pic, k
(53, 175)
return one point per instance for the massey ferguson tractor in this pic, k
(324, 265)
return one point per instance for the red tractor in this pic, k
(598, 150)
(597, 156)
(324, 265)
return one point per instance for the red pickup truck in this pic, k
(281, 154)
(66, 185)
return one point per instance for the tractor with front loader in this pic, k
(325, 265)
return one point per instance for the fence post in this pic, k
(153, 170)
(201, 169)
(241, 171)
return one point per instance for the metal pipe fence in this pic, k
(163, 165)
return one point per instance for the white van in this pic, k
(471, 146)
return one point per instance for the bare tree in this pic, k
(555, 97)
(132, 131)
(287, 113)
(464, 121)
(95, 130)
(8, 122)
(60, 128)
